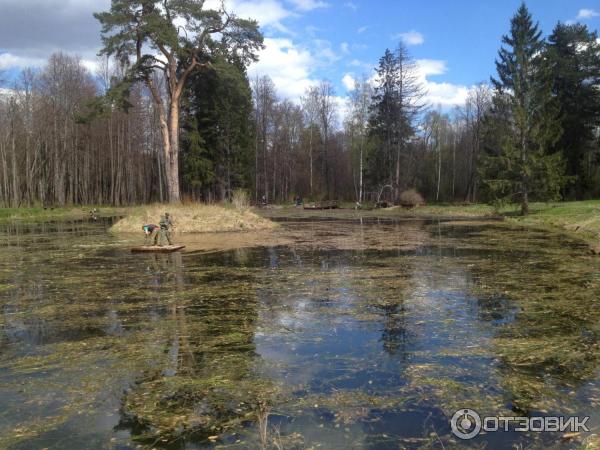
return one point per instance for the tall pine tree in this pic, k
(397, 102)
(524, 165)
(218, 136)
(176, 38)
(573, 54)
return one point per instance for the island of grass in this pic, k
(193, 218)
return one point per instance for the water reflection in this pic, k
(356, 335)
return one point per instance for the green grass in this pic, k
(188, 217)
(347, 211)
(58, 213)
(578, 218)
(581, 218)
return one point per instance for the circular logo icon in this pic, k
(465, 423)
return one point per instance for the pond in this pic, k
(337, 334)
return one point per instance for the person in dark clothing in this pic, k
(165, 230)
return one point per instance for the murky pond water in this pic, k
(332, 335)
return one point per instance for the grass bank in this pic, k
(580, 219)
(193, 218)
(347, 211)
(59, 213)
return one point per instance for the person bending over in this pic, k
(149, 230)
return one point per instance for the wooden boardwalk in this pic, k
(157, 248)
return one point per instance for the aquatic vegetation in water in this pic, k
(347, 335)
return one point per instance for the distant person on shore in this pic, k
(165, 225)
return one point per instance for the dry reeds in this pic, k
(194, 218)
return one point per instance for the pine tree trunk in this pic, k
(525, 202)
(173, 154)
(524, 180)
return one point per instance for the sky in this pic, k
(453, 42)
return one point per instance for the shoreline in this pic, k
(580, 219)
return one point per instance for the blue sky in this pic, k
(454, 42)
(464, 33)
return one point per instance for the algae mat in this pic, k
(322, 334)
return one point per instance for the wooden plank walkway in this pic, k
(157, 248)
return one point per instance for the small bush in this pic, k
(411, 198)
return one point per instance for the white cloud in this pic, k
(268, 13)
(292, 67)
(410, 37)
(436, 93)
(91, 66)
(345, 47)
(343, 107)
(361, 30)
(365, 67)
(349, 82)
(288, 66)
(10, 61)
(351, 5)
(309, 5)
(324, 54)
(359, 47)
(7, 92)
(356, 63)
(586, 13)
(445, 94)
(427, 67)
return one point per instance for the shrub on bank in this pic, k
(411, 198)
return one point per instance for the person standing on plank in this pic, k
(165, 225)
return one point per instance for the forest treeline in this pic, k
(68, 136)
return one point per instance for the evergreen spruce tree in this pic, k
(524, 165)
(217, 140)
(573, 55)
(397, 102)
